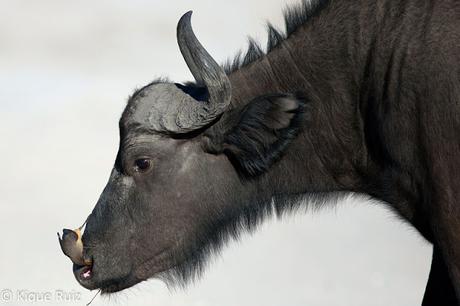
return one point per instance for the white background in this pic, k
(66, 69)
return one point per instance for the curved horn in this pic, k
(207, 72)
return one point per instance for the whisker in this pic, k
(93, 297)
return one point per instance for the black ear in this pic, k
(256, 136)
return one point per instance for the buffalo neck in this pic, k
(323, 60)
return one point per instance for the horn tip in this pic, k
(187, 16)
(185, 21)
(184, 26)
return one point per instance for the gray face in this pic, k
(169, 201)
(162, 196)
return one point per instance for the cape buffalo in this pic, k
(354, 96)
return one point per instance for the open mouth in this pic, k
(87, 277)
(84, 275)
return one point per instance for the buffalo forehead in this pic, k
(150, 107)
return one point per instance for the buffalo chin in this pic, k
(97, 281)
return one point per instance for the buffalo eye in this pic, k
(142, 164)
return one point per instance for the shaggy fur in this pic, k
(294, 17)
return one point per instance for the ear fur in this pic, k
(255, 136)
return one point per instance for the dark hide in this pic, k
(354, 96)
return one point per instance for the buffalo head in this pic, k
(186, 174)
